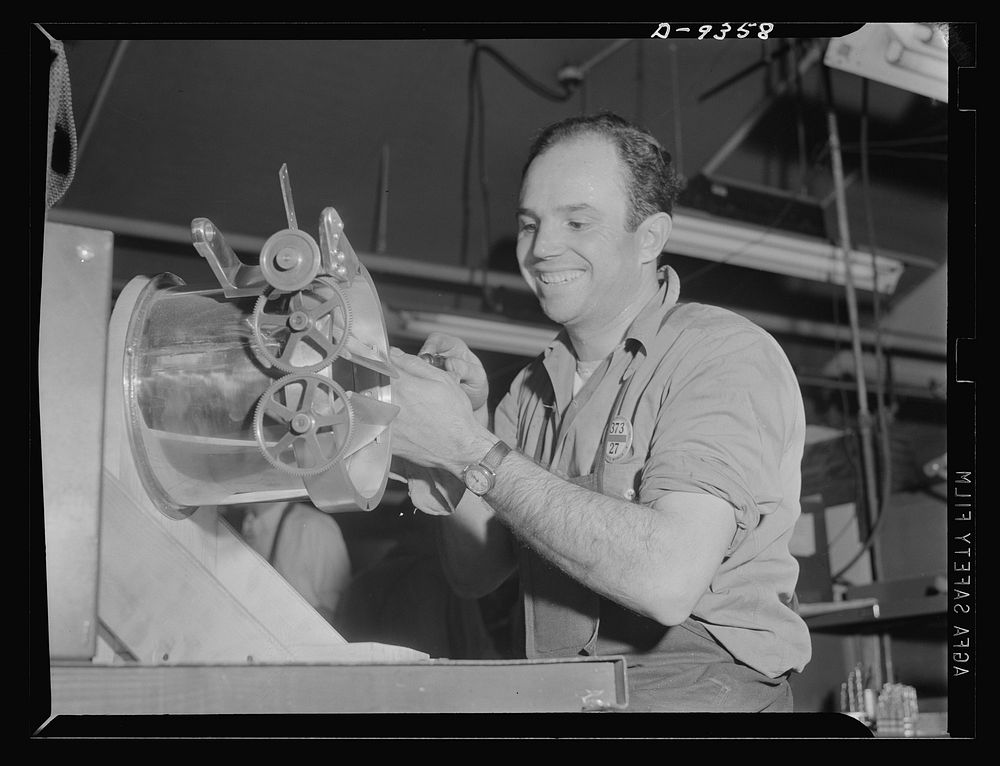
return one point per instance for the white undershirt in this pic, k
(583, 372)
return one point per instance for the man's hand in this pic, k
(465, 366)
(436, 426)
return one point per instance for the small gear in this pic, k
(303, 324)
(315, 431)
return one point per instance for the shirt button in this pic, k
(629, 494)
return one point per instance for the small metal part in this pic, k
(237, 279)
(436, 360)
(286, 195)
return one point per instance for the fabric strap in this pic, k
(62, 147)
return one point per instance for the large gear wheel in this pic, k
(309, 420)
(310, 327)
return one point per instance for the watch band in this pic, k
(495, 456)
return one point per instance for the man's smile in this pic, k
(558, 277)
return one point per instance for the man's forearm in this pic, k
(614, 547)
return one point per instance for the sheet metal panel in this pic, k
(72, 343)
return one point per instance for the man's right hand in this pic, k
(463, 365)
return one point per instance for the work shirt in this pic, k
(694, 399)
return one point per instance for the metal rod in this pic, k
(102, 93)
(864, 415)
(382, 212)
(675, 85)
(286, 196)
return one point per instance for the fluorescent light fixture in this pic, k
(913, 57)
(739, 244)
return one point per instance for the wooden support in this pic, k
(443, 686)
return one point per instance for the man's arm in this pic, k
(657, 560)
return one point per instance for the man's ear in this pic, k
(653, 235)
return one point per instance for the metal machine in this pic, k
(275, 385)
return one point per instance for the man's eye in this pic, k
(527, 227)
(576, 224)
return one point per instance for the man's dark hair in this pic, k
(651, 183)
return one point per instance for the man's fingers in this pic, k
(440, 343)
(414, 364)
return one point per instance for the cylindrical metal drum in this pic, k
(194, 377)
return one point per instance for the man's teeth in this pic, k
(558, 277)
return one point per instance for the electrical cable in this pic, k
(484, 191)
(800, 124)
(524, 78)
(467, 161)
(640, 76)
(851, 457)
(475, 143)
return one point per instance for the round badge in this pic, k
(618, 440)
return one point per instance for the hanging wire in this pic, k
(475, 144)
(524, 78)
(640, 75)
(800, 124)
(845, 443)
(470, 124)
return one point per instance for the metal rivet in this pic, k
(84, 253)
(629, 494)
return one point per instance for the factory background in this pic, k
(418, 142)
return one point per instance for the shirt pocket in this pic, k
(622, 480)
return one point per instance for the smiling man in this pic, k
(641, 476)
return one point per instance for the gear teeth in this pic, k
(261, 409)
(270, 360)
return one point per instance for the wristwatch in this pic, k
(480, 477)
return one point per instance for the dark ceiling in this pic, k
(172, 128)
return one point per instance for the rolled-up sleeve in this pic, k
(723, 424)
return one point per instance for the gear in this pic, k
(304, 324)
(316, 431)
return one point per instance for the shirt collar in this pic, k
(644, 327)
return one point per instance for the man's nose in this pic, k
(547, 242)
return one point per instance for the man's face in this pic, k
(572, 244)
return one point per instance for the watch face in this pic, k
(478, 479)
